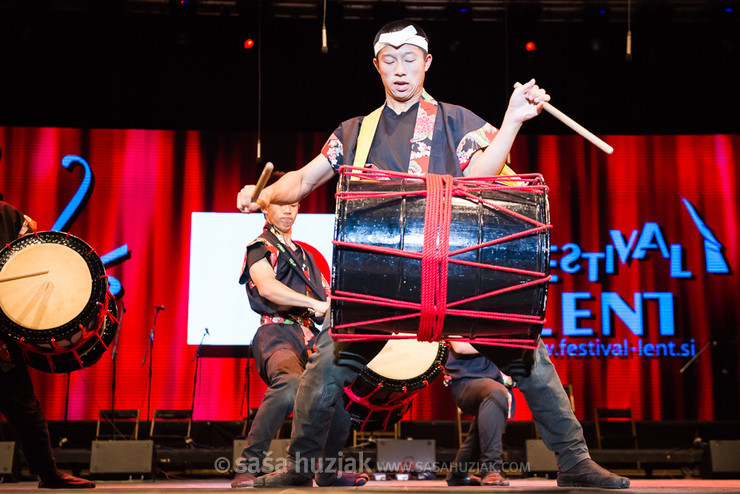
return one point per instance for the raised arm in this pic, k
(290, 189)
(526, 102)
(276, 292)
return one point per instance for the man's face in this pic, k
(402, 71)
(282, 216)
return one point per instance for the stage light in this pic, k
(530, 46)
(459, 12)
(183, 7)
(597, 13)
(248, 43)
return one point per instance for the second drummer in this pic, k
(286, 288)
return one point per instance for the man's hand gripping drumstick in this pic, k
(253, 192)
(291, 188)
(574, 125)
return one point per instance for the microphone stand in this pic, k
(150, 350)
(693, 359)
(195, 377)
(114, 353)
(245, 391)
(64, 439)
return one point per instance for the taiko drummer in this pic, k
(18, 402)
(414, 133)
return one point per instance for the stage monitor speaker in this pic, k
(122, 457)
(7, 450)
(539, 458)
(725, 456)
(276, 453)
(406, 455)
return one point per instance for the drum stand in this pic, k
(150, 351)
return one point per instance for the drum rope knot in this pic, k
(434, 257)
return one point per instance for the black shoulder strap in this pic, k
(290, 257)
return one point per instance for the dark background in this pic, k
(172, 65)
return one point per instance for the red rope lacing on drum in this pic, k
(403, 403)
(57, 349)
(436, 247)
(435, 255)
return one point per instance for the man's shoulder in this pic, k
(260, 242)
(351, 123)
(461, 120)
(353, 120)
(452, 109)
(7, 209)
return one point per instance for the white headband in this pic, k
(407, 36)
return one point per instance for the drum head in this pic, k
(54, 284)
(47, 300)
(404, 360)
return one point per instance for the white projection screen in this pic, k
(217, 245)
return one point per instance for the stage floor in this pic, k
(694, 486)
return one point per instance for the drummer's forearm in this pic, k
(296, 185)
(491, 161)
(280, 294)
(276, 292)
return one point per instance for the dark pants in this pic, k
(488, 400)
(22, 409)
(551, 412)
(284, 370)
(320, 393)
(322, 386)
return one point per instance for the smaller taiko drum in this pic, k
(54, 301)
(383, 391)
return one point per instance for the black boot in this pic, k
(341, 479)
(588, 474)
(462, 480)
(285, 477)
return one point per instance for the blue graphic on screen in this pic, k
(75, 207)
(715, 261)
(78, 201)
(579, 309)
(112, 258)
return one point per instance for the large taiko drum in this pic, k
(54, 301)
(383, 391)
(497, 264)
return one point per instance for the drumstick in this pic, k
(266, 172)
(575, 126)
(24, 275)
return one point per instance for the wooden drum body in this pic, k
(495, 269)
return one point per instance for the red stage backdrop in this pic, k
(644, 248)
